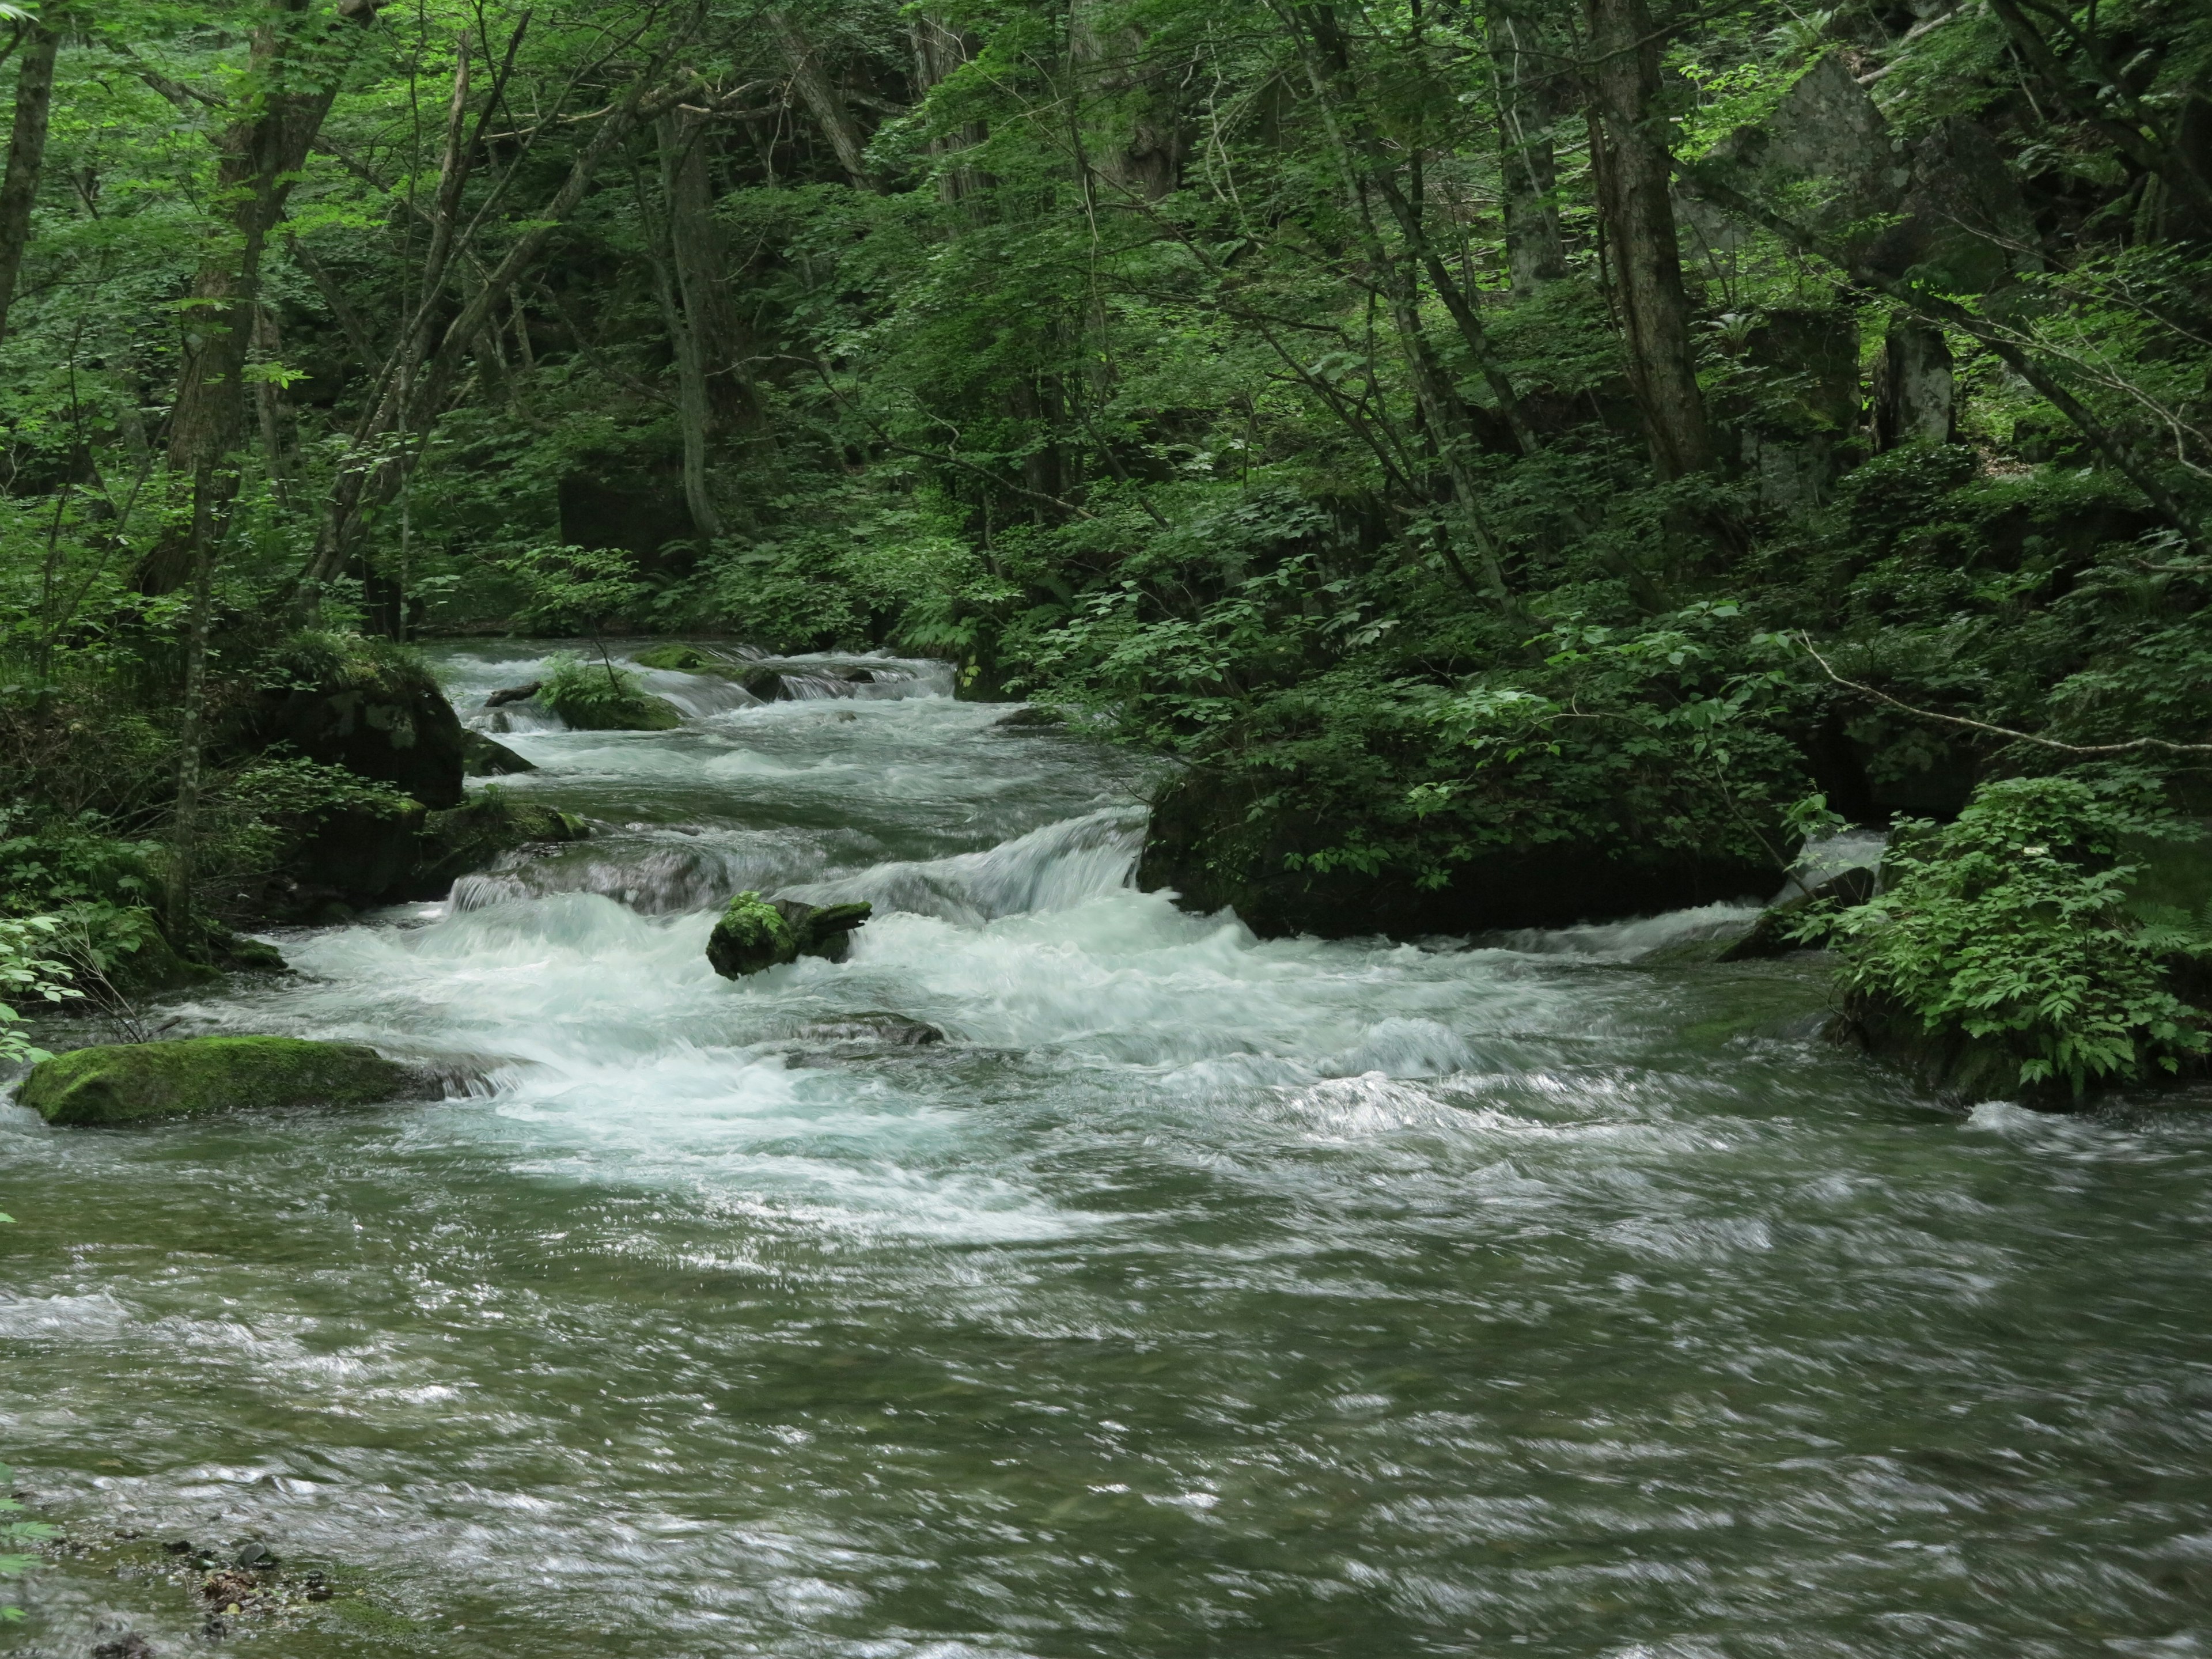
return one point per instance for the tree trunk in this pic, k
(938, 50)
(26, 149)
(693, 416)
(1912, 386)
(1629, 155)
(259, 161)
(1527, 105)
(367, 476)
(823, 100)
(701, 270)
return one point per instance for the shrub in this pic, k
(2012, 927)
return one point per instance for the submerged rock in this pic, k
(134, 1082)
(755, 934)
(481, 757)
(1028, 717)
(875, 1026)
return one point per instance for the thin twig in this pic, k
(2003, 731)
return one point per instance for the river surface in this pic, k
(1198, 1294)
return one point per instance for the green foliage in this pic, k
(14, 1562)
(600, 697)
(27, 974)
(2013, 926)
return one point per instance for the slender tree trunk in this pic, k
(369, 476)
(693, 416)
(822, 98)
(1628, 152)
(702, 266)
(1527, 105)
(184, 837)
(259, 157)
(938, 50)
(26, 149)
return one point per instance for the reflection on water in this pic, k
(1198, 1294)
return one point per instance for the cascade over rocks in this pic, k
(137, 1082)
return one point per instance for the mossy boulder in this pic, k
(755, 934)
(751, 936)
(137, 1082)
(472, 837)
(627, 711)
(369, 706)
(1771, 935)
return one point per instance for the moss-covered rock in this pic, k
(765, 683)
(470, 837)
(756, 934)
(131, 1082)
(370, 707)
(751, 937)
(634, 711)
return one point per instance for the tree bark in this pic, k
(939, 51)
(26, 149)
(1630, 154)
(1527, 105)
(701, 270)
(681, 319)
(259, 156)
(823, 100)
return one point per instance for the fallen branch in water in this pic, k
(2003, 731)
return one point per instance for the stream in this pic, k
(1198, 1295)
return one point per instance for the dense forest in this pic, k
(1523, 461)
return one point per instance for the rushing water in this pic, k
(1198, 1296)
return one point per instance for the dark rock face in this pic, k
(755, 934)
(380, 716)
(137, 1082)
(483, 758)
(1539, 887)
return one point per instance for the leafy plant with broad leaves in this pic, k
(27, 974)
(2014, 925)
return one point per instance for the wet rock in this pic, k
(236, 953)
(472, 837)
(180, 1546)
(1770, 934)
(129, 1645)
(1028, 717)
(506, 695)
(481, 757)
(824, 930)
(134, 1083)
(255, 1556)
(755, 934)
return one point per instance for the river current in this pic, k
(1198, 1294)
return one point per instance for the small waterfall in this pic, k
(1054, 868)
(655, 879)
